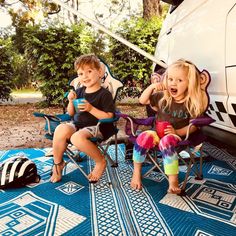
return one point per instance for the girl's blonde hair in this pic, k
(88, 59)
(196, 101)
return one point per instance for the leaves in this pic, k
(53, 51)
(129, 66)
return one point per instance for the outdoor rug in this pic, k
(111, 207)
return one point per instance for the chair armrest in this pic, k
(136, 121)
(50, 117)
(199, 122)
(202, 121)
(108, 120)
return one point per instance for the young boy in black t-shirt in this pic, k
(97, 104)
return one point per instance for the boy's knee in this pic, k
(63, 130)
(78, 137)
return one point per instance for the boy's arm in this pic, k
(107, 104)
(100, 114)
(70, 106)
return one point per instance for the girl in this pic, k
(177, 99)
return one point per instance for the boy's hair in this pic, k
(196, 102)
(87, 60)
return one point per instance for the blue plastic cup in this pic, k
(77, 102)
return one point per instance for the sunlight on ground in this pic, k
(26, 93)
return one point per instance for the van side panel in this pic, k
(231, 64)
(198, 33)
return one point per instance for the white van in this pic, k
(204, 31)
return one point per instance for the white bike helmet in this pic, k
(18, 172)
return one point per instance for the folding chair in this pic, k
(52, 121)
(191, 146)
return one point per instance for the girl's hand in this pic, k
(158, 86)
(72, 95)
(169, 130)
(85, 106)
(155, 78)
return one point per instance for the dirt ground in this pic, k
(19, 128)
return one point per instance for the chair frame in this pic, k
(192, 164)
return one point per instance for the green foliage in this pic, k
(6, 69)
(46, 56)
(129, 66)
(51, 53)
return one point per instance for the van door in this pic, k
(230, 63)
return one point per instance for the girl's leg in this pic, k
(62, 134)
(136, 181)
(170, 159)
(81, 140)
(145, 141)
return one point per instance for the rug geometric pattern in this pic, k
(111, 207)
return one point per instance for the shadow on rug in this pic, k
(111, 207)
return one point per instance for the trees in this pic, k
(51, 53)
(129, 66)
(151, 8)
(46, 53)
(6, 69)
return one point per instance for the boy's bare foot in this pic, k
(57, 171)
(174, 184)
(98, 170)
(136, 181)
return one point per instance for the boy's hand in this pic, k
(71, 96)
(85, 106)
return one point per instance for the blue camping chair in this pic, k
(52, 121)
(190, 150)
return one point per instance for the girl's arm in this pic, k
(180, 132)
(145, 96)
(183, 131)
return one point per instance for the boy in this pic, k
(97, 104)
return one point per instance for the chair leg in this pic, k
(108, 157)
(70, 154)
(201, 164)
(155, 166)
(192, 165)
(76, 157)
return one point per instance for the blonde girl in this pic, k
(177, 99)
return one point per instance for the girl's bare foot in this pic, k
(174, 190)
(136, 181)
(174, 184)
(98, 170)
(57, 171)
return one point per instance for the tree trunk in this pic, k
(151, 8)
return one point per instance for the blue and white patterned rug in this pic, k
(111, 207)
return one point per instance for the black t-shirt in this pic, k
(102, 100)
(176, 114)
